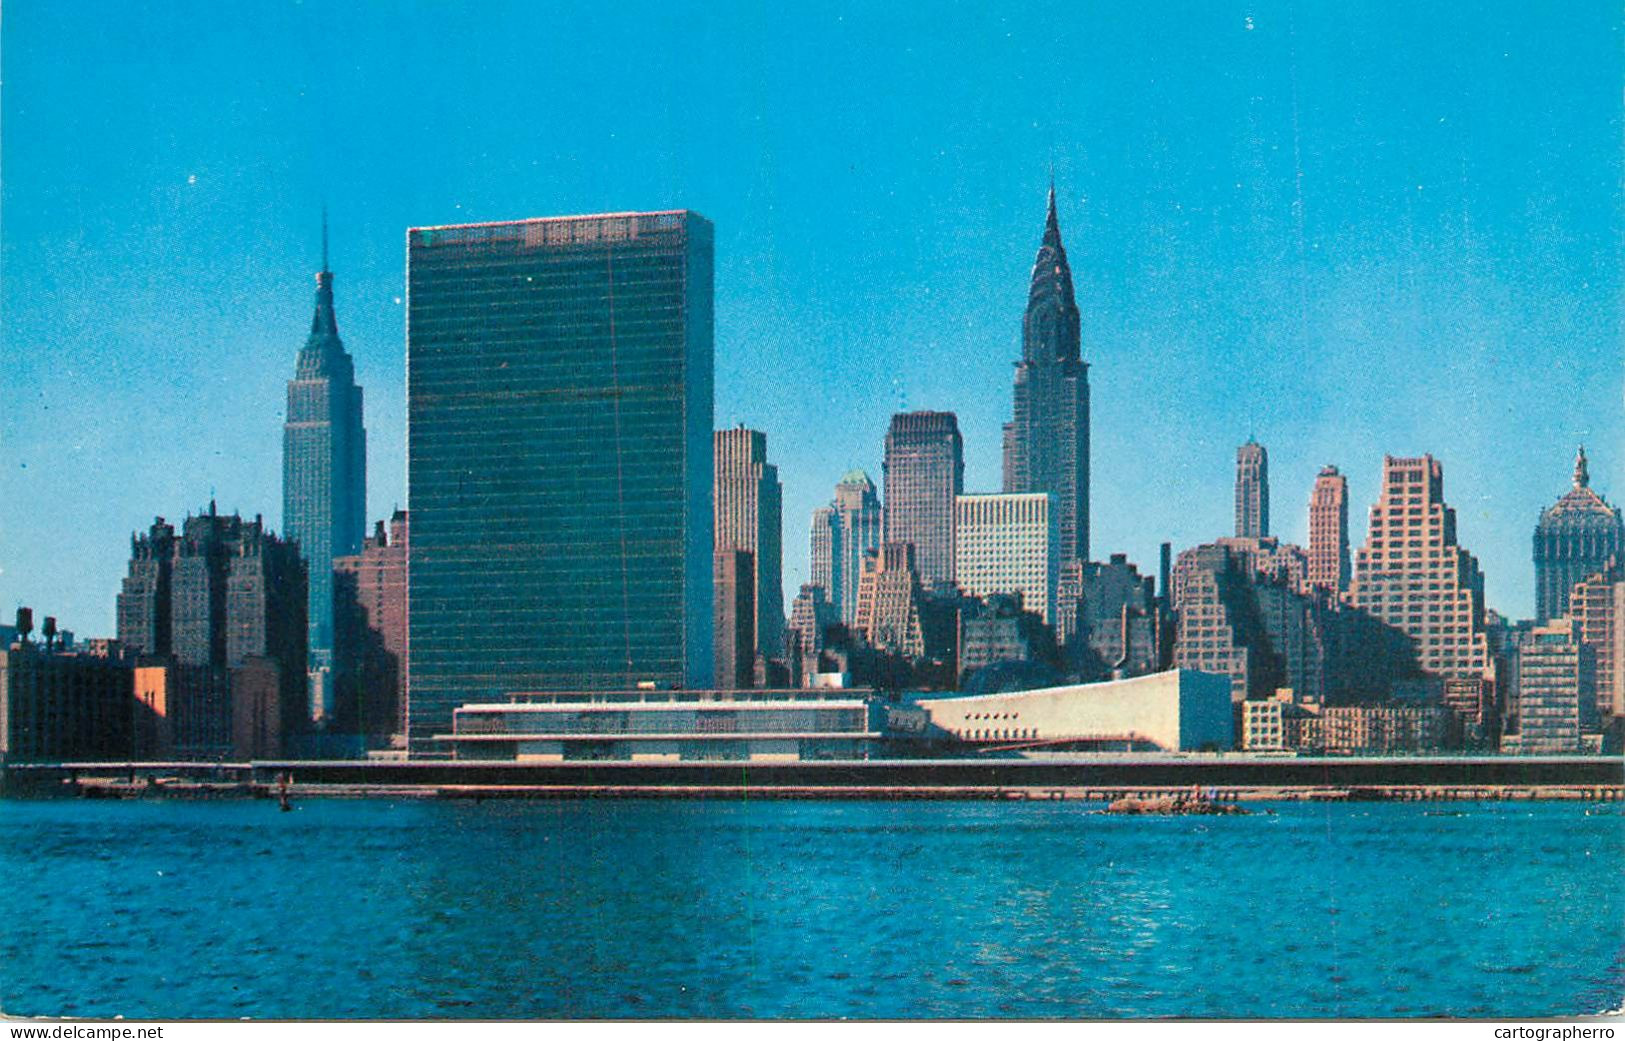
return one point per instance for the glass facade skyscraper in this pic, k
(559, 459)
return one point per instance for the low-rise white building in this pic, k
(668, 726)
(1177, 710)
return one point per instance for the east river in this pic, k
(343, 909)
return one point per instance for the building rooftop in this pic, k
(665, 697)
(1579, 501)
(563, 230)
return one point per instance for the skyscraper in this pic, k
(230, 588)
(324, 461)
(1576, 537)
(1244, 609)
(1329, 531)
(889, 601)
(1252, 491)
(1008, 544)
(1046, 443)
(748, 500)
(1413, 575)
(811, 615)
(1221, 627)
(1105, 594)
(843, 533)
(1597, 606)
(734, 640)
(369, 628)
(924, 472)
(1556, 695)
(144, 602)
(559, 457)
(232, 592)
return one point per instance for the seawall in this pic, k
(1079, 777)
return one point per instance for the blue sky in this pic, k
(1345, 229)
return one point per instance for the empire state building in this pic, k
(324, 461)
(1046, 443)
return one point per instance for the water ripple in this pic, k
(669, 909)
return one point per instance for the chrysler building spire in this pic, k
(1051, 328)
(1046, 443)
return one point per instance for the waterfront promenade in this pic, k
(1233, 777)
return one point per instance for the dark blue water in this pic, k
(171, 909)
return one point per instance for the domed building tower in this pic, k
(1576, 537)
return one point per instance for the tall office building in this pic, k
(1412, 574)
(748, 501)
(890, 602)
(1246, 613)
(1252, 491)
(924, 473)
(1597, 606)
(1329, 531)
(1106, 595)
(232, 593)
(1046, 443)
(843, 534)
(821, 548)
(230, 590)
(559, 459)
(1556, 674)
(370, 629)
(144, 603)
(1221, 624)
(1576, 538)
(811, 615)
(734, 641)
(324, 461)
(1008, 544)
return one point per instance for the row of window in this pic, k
(675, 721)
(1002, 734)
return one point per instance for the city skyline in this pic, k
(163, 384)
(819, 512)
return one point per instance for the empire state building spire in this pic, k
(1046, 443)
(323, 349)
